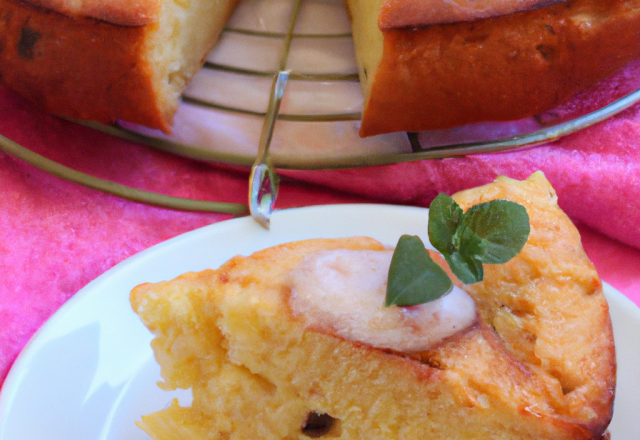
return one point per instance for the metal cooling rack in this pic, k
(288, 130)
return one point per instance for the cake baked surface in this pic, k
(107, 60)
(405, 13)
(538, 363)
(422, 65)
(500, 68)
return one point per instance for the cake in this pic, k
(422, 65)
(267, 356)
(444, 72)
(107, 60)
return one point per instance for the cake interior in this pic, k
(176, 49)
(539, 363)
(367, 39)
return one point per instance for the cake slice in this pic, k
(268, 357)
(465, 65)
(107, 60)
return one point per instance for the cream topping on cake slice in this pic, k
(342, 292)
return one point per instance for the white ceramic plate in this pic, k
(89, 373)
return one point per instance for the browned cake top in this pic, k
(402, 13)
(547, 308)
(121, 12)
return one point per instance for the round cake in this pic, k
(422, 65)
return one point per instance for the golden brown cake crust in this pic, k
(122, 12)
(538, 302)
(539, 365)
(403, 13)
(498, 69)
(78, 67)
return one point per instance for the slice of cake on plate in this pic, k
(294, 342)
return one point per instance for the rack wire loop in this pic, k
(16, 150)
(263, 181)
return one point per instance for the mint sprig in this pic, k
(491, 233)
(414, 278)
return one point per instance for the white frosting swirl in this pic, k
(342, 292)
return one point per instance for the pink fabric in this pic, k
(596, 173)
(617, 264)
(56, 236)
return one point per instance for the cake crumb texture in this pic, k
(539, 364)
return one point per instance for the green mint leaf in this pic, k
(467, 241)
(493, 232)
(444, 217)
(489, 233)
(414, 278)
(466, 268)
